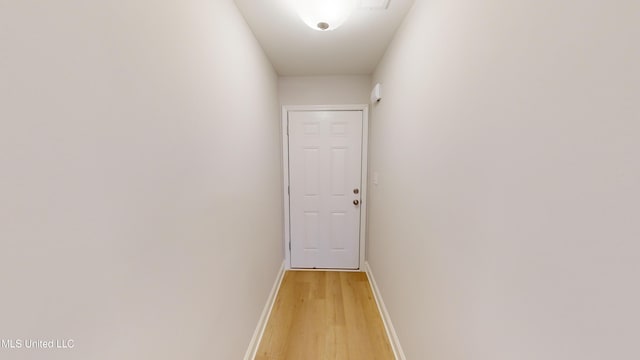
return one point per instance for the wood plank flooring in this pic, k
(325, 316)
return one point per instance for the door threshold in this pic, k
(327, 270)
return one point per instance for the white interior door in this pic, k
(325, 176)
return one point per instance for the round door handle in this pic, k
(356, 202)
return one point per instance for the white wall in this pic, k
(505, 223)
(140, 210)
(324, 90)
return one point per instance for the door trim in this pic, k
(285, 172)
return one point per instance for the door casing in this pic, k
(285, 172)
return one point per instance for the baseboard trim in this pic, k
(266, 312)
(386, 319)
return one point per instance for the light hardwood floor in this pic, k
(325, 316)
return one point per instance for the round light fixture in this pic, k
(325, 15)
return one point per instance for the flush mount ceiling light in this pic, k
(325, 15)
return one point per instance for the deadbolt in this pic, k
(356, 191)
(356, 202)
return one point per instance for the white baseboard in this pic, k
(386, 319)
(266, 312)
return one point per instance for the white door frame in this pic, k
(285, 169)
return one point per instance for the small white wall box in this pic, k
(376, 94)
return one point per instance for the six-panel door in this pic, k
(325, 162)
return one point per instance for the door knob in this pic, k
(356, 191)
(356, 202)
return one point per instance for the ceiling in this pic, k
(295, 49)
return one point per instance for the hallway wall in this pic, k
(324, 90)
(140, 185)
(504, 225)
